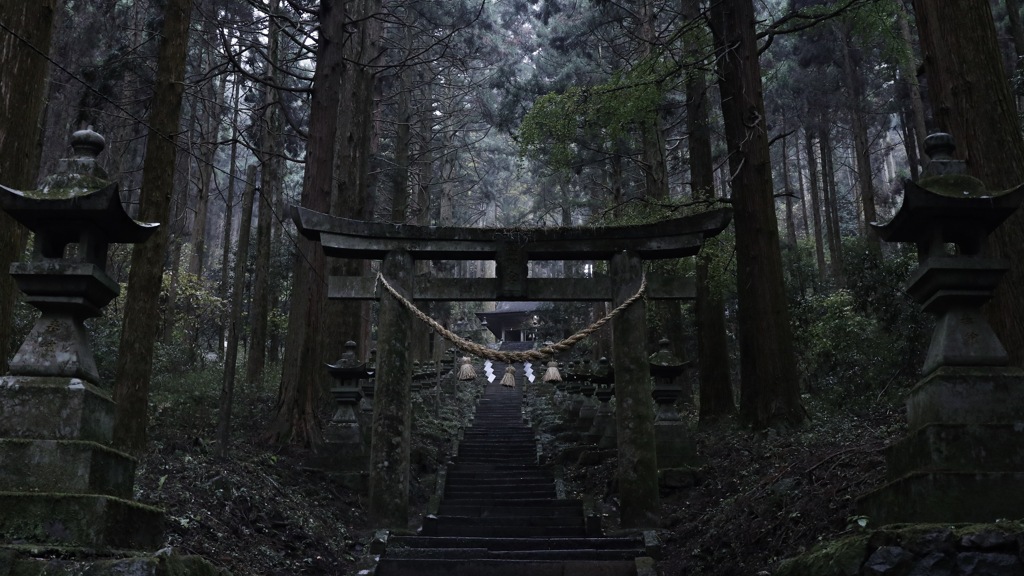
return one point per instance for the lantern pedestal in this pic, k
(963, 459)
(65, 491)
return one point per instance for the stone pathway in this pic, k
(500, 514)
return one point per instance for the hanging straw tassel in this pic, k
(466, 371)
(509, 379)
(551, 374)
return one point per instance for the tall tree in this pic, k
(270, 166)
(769, 389)
(23, 71)
(854, 80)
(295, 419)
(819, 236)
(139, 332)
(227, 392)
(971, 99)
(712, 342)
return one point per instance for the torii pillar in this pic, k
(638, 465)
(392, 414)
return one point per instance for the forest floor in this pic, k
(755, 498)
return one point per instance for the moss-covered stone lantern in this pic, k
(344, 448)
(75, 215)
(672, 437)
(963, 459)
(62, 484)
(604, 427)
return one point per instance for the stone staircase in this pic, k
(500, 514)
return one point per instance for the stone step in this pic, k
(509, 531)
(498, 499)
(503, 501)
(468, 478)
(488, 567)
(501, 480)
(468, 464)
(485, 554)
(467, 452)
(634, 544)
(507, 494)
(496, 459)
(529, 448)
(499, 515)
(489, 478)
(525, 508)
(532, 522)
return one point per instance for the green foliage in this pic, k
(197, 310)
(105, 339)
(874, 24)
(189, 395)
(611, 111)
(856, 342)
(840, 347)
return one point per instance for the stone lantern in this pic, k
(604, 431)
(963, 459)
(671, 434)
(567, 389)
(367, 387)
(75, 215)
(347, 373)
(666, 369)
(588, 406)
(61, 482)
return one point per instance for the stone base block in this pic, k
(978, 447)
(917, 549)
(350, 433)
(64, 466)
(946, 497)
(54, 408)
(967, 396)
(87, 521)
(675, 445)
(585, 419)
(17, 563)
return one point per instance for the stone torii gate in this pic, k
(398, 245)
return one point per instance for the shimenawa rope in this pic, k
(523, 356)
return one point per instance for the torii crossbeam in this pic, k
(512, 249)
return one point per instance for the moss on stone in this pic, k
(841, 557)
(955, 186)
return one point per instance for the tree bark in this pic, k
(350, 197)
(788, 192)
(295, 419)
(805, 222)
(23, 74)
(139, 331)
(865, 175)
(909, 70)
(715, 384)
(830, 204)
(769, 390)
(972, 100)
(211, 104)
(270, 165)
(227, 391)
(1016, 32)
(229, 216)
(819, 237)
